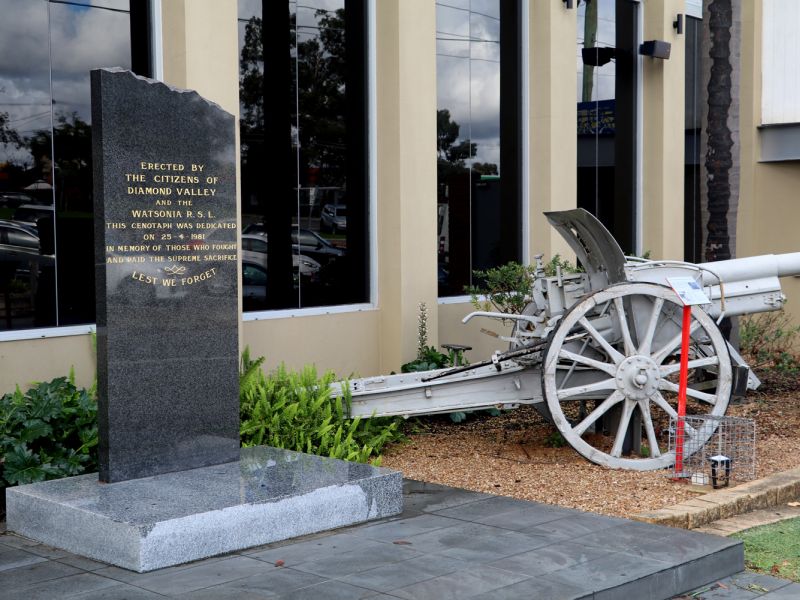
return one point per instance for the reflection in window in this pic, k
(474, 194)
(303, 152)
(596, 107)
(46, 214)
(693, 238)
(607, 55)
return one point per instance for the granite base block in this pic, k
(154, 522)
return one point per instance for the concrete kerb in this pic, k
(773, 490)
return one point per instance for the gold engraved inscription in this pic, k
(170, 201)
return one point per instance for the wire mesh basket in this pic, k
(719, 450)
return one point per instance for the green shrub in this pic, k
(506, 288)
(296, 411)
(48, 432)
(768, 341)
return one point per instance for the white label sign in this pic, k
(689, 291)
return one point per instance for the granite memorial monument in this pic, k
(173, 484)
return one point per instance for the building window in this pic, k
(479, 138)
(304, 168)
(692, 234)
(46, 205)
(607, 88)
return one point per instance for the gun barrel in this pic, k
(751, 268)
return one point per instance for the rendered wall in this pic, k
(663, 83)
(769, 212)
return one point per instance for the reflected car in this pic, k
(254, 249)
(31, 213)
(314, 245)
(15, 199)
(304, 241)
(334, 218)
(254, 286)
(19, 242)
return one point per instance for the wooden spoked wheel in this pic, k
(613, 360)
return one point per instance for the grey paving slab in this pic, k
(673, 546)
(87, 564)
(14, 579)
(127, 576)
(708, 568)
(202, 576)
(756, 581)
(741, 586)
(536, 589)
(398, 575)
(119, 592)
(330, 590)
(32, 546)
(420, 496)
(302, 551)
(549, 559)
(574, 526)
(400, 529)
(448, 552)
(607, 572)
(466, 583)
(475, 542)
(271, 583)
(362, 559)
(790, 592)
(12, 558)
(64, 587)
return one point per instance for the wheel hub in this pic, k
(637, 377)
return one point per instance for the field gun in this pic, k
(597, 352)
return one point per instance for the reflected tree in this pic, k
(8, 135)
(320, 70)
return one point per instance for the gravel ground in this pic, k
(509, 455)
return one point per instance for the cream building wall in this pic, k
(200, 44)
(663, 85)
(769, 210)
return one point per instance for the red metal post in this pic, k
(679, 431)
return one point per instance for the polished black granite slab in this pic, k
(166, 270)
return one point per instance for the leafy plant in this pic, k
(506, 288)
(768, 341)
(554, 264)
(296, 411)
(555, 440)
(429, 358)
(48, 432)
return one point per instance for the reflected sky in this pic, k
(604, 77)
(82, 36)
(468, 71)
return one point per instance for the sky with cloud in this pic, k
(468, 71)
(79, 37)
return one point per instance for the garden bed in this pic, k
(509, 455)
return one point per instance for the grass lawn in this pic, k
(773, 549)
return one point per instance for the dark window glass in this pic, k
(607, 56)
(692, 218)
(17, 237)
(477, 171)
(303, 134)
(46, 51)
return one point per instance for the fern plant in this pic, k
(296, 411)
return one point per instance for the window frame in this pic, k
(371, 175)
(519, 129)
(146, 55)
